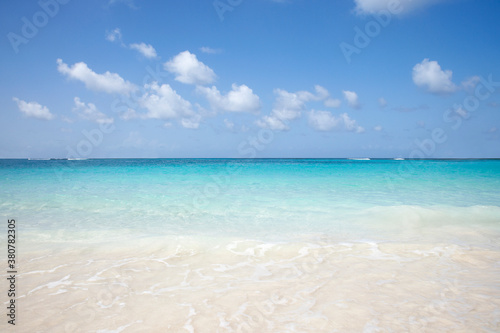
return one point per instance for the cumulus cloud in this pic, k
(192, 122)
(188, 69)
(272, 122)
(108, 82)
(163, 102)
(332, 103)
(325, 121)
(239, 99)
(33, 109)
(430, 76)
(321, 93)
(366, 7)
(377, 128)
(382, 102)
(352, 98)
(89, 112)
(114, 35)
(289, 106)
(146, 50)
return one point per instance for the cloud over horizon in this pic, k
(89, 112)
(326, 121)
(239, 99)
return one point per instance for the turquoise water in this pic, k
(282, 245)
(263, 198)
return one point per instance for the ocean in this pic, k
(253, 245)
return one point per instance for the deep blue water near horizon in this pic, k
(250, 197)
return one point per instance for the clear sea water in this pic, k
(269, 245)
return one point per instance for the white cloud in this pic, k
(209, 50)
(162, 102)
(188, 69)
(289, 106)
(352, 98)
(321, 93)
(146, 50)
(365, 7)
(470, 83)
(107, 82)
(33, 109)
(129, 114)
(325, 121)
(272, 123)
(332, 103)
(378, 128)
(239, 99)
(113, 35)
(351, 124)
(90, 112)
(429, 75)
(382, 102)
(192, 122)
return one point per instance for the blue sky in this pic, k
(240, 78)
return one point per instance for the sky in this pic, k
(250, 79)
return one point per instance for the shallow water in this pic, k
(255, 246)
